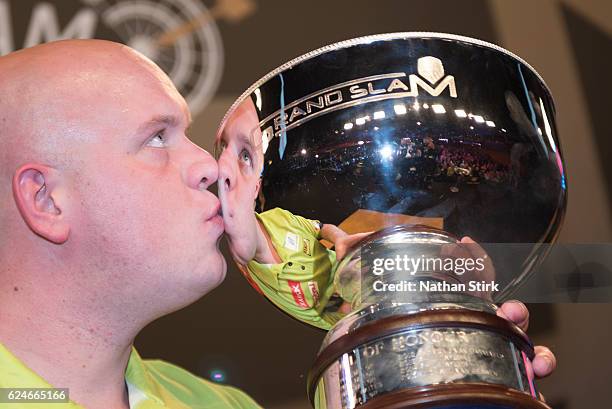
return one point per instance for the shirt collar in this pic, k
(139, 381)
(16, 374)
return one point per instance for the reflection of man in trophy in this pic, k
(278, 252)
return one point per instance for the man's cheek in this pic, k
(243, 199)
(134, 210)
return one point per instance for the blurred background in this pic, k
(214, 49)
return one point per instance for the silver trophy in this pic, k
(369, 187)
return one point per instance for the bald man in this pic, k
(106, 224)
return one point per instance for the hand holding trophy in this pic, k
(360, 185)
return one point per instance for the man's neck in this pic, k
(66, 345)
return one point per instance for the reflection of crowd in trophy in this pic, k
(426, 156)
(476, 166)
(417, 148)
(471, 165)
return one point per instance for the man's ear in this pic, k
(35, 189)
(256, 192)
(257, 187)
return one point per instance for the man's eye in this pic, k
(158, 140)
(245, 157)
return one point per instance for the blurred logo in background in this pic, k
(181, 36)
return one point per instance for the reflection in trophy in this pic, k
(361, 185)
(277, 251)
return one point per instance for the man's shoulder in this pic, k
(276, 213)
(278, 219)
(277, 222)
(193, 390)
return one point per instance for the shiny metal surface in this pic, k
(355, 281)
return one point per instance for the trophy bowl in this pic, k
(368, 188)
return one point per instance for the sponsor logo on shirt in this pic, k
(314, 290)
(292, 241)
(298, 294)
(306, 247)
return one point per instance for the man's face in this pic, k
(145, 214)
(240, 163)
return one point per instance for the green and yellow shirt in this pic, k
(302, 283)
(152, 384)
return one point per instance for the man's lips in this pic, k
(214, 211)
(215, 216)
(217, 220)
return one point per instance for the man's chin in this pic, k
(223, 272)
(207, 279)
(216, 269)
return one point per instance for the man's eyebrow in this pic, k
(168, 120)
(246, 139)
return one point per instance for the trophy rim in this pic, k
(387, 231)
(365, 40)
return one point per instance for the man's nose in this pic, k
(203, 171)
(227, 174)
